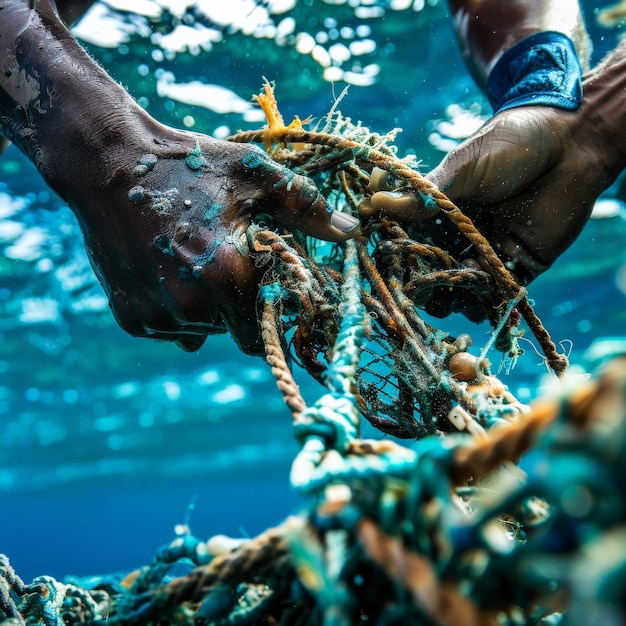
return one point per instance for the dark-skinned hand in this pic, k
(163, 211)
(178, 267)
(528, 179)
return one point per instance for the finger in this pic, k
(302, 207)
(403, 206)
(294, 200)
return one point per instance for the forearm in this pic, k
(488, 28)
(605, 94)
(56, 103)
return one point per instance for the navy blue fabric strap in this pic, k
(541, 69)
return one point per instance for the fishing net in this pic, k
(409, 375)
(447, 531)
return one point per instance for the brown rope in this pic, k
(260, 558)
(558, 362)
(275, 357)
(505, 443)
(396, 302)
(585, 409)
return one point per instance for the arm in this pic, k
(530, 176)
(487, 28)
(157, 206)
(70, 11)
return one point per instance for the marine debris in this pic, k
(495, 514)
(410, 375)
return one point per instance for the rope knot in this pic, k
(334, 418)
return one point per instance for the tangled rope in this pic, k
(411, 379)
(450, 530)
(361, 155)
(438, 533)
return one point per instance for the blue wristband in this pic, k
(541, 69)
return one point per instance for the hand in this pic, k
(528, 179)
(163, 211)
(167, 236)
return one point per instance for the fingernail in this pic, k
(395, 195)
(343, 222)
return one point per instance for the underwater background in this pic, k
(108, 442)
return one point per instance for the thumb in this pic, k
(302, 207)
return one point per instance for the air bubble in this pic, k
(136, 193)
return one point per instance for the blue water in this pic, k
(106, 441)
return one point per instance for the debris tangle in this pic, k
(497, 513)
(404, 384)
